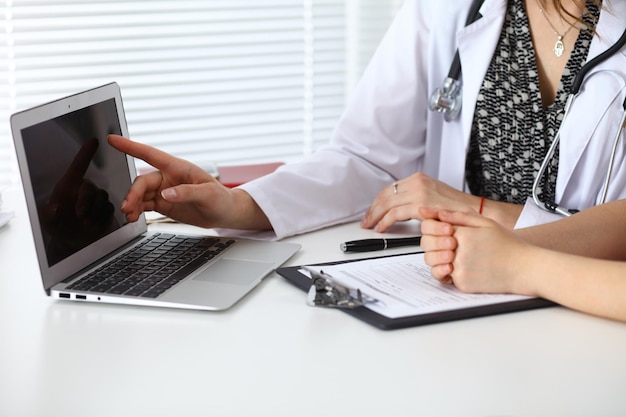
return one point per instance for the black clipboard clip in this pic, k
(326, 292)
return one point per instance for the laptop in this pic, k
(74, 183)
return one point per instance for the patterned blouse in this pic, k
(512, 131)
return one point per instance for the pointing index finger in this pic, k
(155, 157)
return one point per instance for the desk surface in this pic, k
(272, 355)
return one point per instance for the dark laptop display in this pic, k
(73, 180)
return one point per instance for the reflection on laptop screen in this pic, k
(78, 180)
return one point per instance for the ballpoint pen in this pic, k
(368, 245)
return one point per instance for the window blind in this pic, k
(226, 81)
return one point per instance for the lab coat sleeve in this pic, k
(379, 138)
(532, 215)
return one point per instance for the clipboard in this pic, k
(295, 277)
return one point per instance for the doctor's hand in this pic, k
(185, 192)
(474, 253)
(402, 201)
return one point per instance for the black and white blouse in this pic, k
(512, 131)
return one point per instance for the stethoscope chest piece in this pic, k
(447, 99)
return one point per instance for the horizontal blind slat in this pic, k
(203, 79)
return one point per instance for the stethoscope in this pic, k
(447, 100)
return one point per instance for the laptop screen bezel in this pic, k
(53, 274)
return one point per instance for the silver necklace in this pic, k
(559, 46)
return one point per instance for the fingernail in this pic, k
(124, 203)
(168, 193)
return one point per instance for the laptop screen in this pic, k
(78, 180)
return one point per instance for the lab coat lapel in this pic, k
(476, 44)
(590, 117)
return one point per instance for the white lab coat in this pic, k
(387, 132)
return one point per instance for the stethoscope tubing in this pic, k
(576, 85)
(553, 207)
(578, 81)
(546, 161)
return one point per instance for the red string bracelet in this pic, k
(482, 203)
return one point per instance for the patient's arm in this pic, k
(598, 232)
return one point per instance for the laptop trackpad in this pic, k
(235, 271)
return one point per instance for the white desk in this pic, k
(272, 355)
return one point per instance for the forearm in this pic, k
(592, 286)
(597, 232)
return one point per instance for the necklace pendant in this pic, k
(559, 47)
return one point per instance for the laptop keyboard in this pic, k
(153, 266)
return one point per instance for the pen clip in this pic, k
(326, 292)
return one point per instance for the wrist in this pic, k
(247, 213)
(506, 214)
(529, 271)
